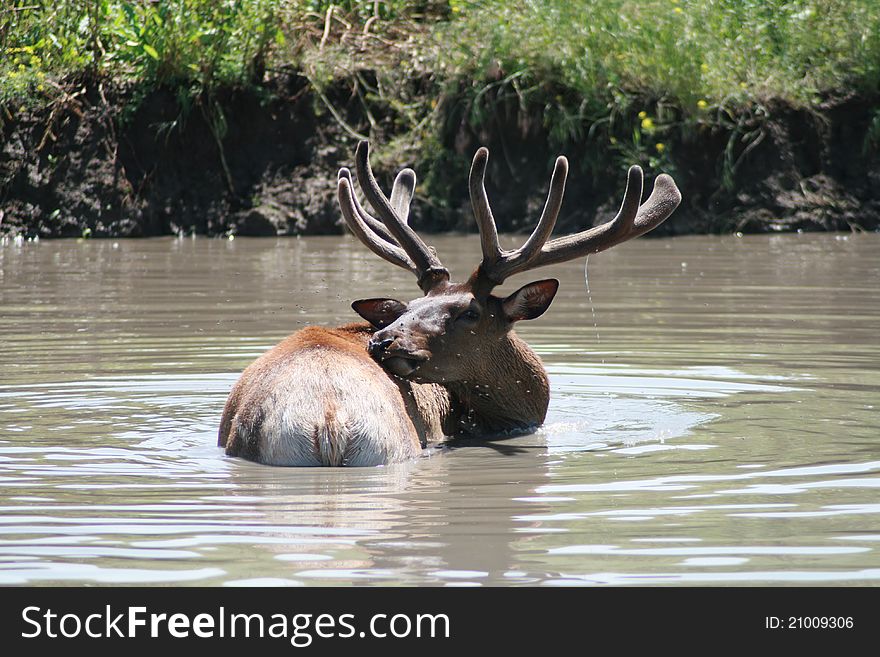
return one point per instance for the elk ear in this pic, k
(379, 312)
(530, 301)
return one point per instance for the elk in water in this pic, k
(447, 363)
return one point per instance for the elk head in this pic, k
(441, 336)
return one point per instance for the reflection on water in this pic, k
(712, 421)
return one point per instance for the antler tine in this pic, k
(381, 245)
(401, 197)
(630, 222)
(375, 225)
(482, 210)
(402, 193)
(551, 211)
(664, 198)
(429, 268)
(511, 262)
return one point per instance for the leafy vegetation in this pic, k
(198, 43)
(634, 72)
(632, 76)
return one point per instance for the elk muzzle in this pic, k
(395, 357)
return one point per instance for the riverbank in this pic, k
(756, 145)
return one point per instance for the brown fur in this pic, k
(408, 415)
(478, 377)
(349, 339)
(494, 382)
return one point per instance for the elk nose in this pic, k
(376, 347)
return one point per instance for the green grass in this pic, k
(631, 75)
(719, 51)
(684, 50)
(637, 75)
(198, 44)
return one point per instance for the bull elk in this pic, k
(447, 363)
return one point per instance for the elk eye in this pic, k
(469, 316)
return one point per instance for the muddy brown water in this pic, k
(714, 419)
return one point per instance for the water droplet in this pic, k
(590, 299)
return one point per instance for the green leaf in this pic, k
(151, 51)
(130, 14)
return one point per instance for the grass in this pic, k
(638, 75)
(720, 51)
(182, 43)
(633, 76)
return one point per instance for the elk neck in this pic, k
(508, 388)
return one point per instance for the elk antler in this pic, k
(499, 264)
(391, 238)
(631, 221)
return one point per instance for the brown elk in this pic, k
(447, 363)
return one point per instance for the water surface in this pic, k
(713, 420)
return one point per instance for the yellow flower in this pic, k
(702, 104)
(704, 68)
(677, 10)
(647, 124)
(642, 114)
(742, 85)
(660, 147)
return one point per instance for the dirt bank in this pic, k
(108, 163)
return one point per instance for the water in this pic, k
(718, 424)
